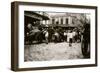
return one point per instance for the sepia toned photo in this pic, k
(56, 36)
(52, 36)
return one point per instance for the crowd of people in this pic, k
(51, 34)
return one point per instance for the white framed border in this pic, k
(34, 64)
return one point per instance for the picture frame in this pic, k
(24, 12)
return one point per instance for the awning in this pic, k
(36, 15)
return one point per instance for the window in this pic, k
(53, 21)
(61, 20)
(66, 20)
(73, 21)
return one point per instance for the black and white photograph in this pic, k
(56, 36)
(51, 36)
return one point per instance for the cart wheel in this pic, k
(85, 49)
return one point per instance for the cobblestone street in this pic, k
(52, 51)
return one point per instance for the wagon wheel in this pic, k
(85, 49)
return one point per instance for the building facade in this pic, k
(51, 19)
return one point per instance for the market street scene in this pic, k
(56, 36)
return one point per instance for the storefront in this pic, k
(34, 18)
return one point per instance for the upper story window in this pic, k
(53, 21)
(66, 20)
(61, 20)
